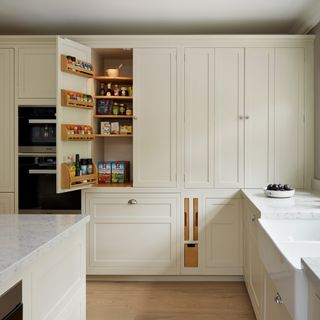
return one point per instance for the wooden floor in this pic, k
(168, 301)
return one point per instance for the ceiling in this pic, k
(157, 16)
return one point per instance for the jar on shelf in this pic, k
(129, 111)
(130, 91)
(116, 90)
(124, 91)
(122, 109)
(115, 109)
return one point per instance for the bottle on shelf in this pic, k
(102, 91)
(110, 92)
(77, 164)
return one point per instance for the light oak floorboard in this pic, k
(168, 301)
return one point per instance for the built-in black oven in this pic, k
(37, 187)
(37, 129)
(37, 164)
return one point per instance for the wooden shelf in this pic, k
(109, 116)
(68, 182)
(67, 102)
(114, 135)
(114, 79)
(114, 185)
(114, 97)
(66, 136)
(70, 68)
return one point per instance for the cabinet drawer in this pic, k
(132, 234)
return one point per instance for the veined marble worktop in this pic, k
(25, 237)
(304, 205)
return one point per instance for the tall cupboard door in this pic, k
(259, 117)
(155, 105)
(199, 109)
(229, 117)
(67, 115)
(289, 116)
(7, 120)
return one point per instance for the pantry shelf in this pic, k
(114, 135)
(114, 185)
(109, 116)
(68, 182)
(70, 68)
(114, 97)
(72, 103)
(114, 79)
(66, 134)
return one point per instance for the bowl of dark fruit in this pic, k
(279, 191)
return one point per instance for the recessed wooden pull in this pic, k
(186, 219)
(195, 219)
(191, 255)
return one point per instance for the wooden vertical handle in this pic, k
(186, 219)
(195, 218)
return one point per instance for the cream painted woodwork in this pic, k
(253, 268)
(229, 108)
(71, 82)
(223, 236)
(133, 234)
(37, 73)
(314, 302)
(259, 117)
(7, 172)
(289, 116)
(6, 203)
(54, 283)
(199, 122)
(155, 108)
(273, 310)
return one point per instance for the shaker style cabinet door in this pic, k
(6, 203)
(7, 120)
(289, 116)
(259, 117)
(65, 115)
(229, 117)
(199, 126)
(155, 105)
(37, 73)
(223, 237)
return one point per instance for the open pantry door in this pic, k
(74, 116)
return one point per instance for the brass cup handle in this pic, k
(132, 201)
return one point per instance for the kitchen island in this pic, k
(46, 253)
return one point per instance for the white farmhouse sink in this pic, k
(282, 244)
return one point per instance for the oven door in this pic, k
(37, 188)
(37, 129)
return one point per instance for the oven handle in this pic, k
(42, 171)
(42, 121)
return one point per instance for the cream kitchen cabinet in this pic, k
(254, 273)
(223, 237)
(241, 107)
(155, 108)
(6, 203)
(133, 234)
(314, 302)
(7, 173)
(37, 73)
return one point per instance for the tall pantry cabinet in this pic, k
(244, 104)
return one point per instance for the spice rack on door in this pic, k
(69, 182)
(67, 133)
(67, 101)
(75, 69)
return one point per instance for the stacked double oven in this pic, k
(37, 164)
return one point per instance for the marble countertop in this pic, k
(24, 237)
(304, 205)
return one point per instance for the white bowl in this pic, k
(279, 194)
(112, 72)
